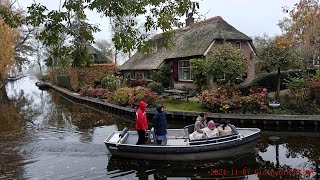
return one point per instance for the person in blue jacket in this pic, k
(159, 122)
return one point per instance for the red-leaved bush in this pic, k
(132, 96)
(96, 93)
(256, 101)
(222, 99)
(314, 88)
(229, 100)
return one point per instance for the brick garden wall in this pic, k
(80, 77)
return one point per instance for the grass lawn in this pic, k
(183, 105)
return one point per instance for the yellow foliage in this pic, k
(8, 37)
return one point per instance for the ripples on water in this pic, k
(44, 136)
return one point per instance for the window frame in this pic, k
(181, 70)
(238, 44)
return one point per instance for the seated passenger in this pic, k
(224, 128)
(201, 122)
(211, 131)
(207, 132)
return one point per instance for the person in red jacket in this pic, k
(141, 122)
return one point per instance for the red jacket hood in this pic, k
(142, 105)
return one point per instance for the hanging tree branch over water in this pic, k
(157, 14)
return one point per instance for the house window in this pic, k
(238, 44)
(184, 70)
(147, 75)
(139, 76)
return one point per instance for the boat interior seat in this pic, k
(233, 135)
(234, 129)
(123, 136)
(189, 129)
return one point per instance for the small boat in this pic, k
(42, 85)
(178, 146)
(15, 77)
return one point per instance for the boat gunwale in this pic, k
(184, 146)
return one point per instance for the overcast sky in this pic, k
(252, 17)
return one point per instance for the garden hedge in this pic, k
(269, 80)
(64, 81)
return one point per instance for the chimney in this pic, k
(190, 19)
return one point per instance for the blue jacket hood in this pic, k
(158, 108)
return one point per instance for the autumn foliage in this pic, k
(80, 77)
(8, 37)
(305, 17)
(230, 100)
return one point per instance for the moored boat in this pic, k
(179, 147)
(42, 85)
(15, 77)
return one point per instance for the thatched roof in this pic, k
(189, 41)
(100, 57)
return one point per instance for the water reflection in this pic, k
(40, 128)
(192, 169)
(294, 156)
(12, 134)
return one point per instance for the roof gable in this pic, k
(189, 41)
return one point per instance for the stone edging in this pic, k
(253, 118)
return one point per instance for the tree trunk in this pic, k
(3, 94)
(277, 96)
(277, 155)
(115, 56)
(39, 63)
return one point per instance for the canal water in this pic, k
(45, 136)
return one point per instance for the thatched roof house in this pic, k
(97, 56)
(192, 41)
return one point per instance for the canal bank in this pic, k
(189, 116)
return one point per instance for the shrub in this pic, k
(132, 96)
(314, 88)
(223, 99)
(199, 72)
(96, 92)
(230, 100)
(296, 83)
(256, 101)
(64, 81)
(121, 96)
(109, 82)
(304, 95)
(86, 90)
(156, 87)
(269, 80)
(298, 100)
(162, 75)
(226, 62)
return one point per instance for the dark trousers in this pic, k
(142, 137)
